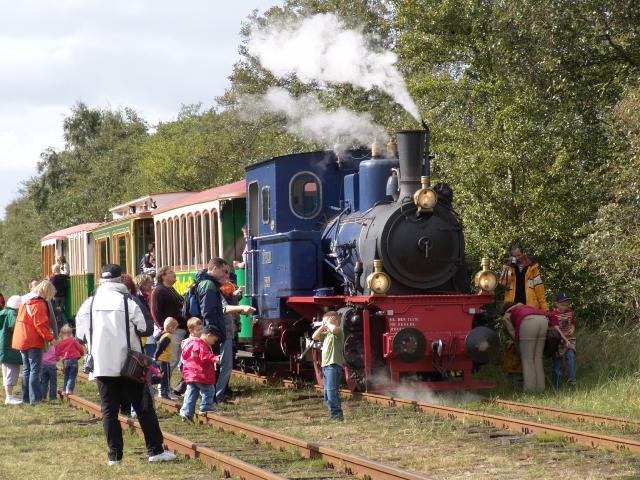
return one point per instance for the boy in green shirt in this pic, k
(332, 360)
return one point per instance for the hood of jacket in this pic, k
(112, 287)
(204, 275)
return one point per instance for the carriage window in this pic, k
(265, 204)
(158, 242)
(170, 245)
(184, 259)
(214, 229)
(207, 237)
(305, 195)
(198, 237)
(121, 251)
(103, 253)
(192, 241)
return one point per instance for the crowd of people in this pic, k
(35, 333)
(535, 330)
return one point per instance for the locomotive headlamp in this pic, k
(378, 281)
(426, 198)
(485, 279)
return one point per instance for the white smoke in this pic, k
(320, 49)
(309, 120)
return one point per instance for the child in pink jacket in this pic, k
(69, 351)
(199, 373)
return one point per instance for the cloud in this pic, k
(150, 56)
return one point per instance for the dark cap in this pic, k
(110, 272)
(210, 329)
(562, 297)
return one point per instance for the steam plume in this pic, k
(321, 49)
(309, 120)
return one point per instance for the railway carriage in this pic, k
(197, 227)
(124, 240)
(75, 243)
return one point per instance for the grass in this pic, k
(424, 443)
(51, 440)
(608, 375)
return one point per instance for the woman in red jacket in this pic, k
(30, 334)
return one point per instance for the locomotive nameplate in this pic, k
(399, 323)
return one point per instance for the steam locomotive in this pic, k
(354, 231)
(367, 237)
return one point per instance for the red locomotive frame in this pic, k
(444, 319)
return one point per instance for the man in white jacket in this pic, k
(101, 322)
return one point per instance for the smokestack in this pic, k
(412, 145)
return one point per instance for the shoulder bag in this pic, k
(136, 364)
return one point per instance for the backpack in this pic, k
(191, 304)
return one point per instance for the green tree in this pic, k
(519, 96)
(611, 248)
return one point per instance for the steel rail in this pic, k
(229, 466)
(583, 417)
(594, 440)
(350, 464)
(570, 435)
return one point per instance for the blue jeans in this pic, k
(165, 368)
(557, 374)
(48, 381)
(332, 378)
(31, 363)
(226, 365)
(206, 403)
(70, 373)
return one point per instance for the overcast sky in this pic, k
(151, 55)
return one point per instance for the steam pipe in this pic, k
(412, 145)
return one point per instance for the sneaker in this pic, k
(214, 411)
(12, 401)
(177, 393)
(111, 463)
(165, 456)
(186, 419)
(169, 397)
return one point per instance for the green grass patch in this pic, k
(52, 440)
(608, 375)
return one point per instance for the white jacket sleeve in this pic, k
(82, 321)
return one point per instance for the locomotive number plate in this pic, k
(398, 323)
(267, 282)
(266, 257)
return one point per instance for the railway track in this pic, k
(344, 465)
(582, 417)
(526, 427)
(229, 466)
